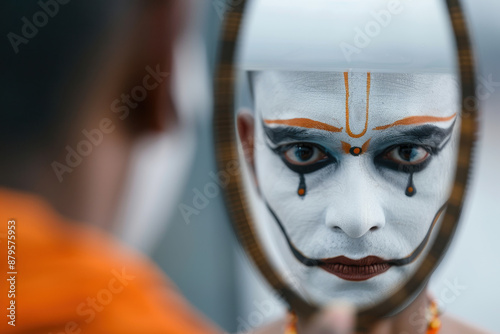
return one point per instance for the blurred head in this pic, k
(82, 82)
(355, 168)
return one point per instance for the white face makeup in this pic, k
(353, 170)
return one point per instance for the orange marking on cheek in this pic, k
(304, 123)
(416, 120)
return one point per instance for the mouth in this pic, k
(355, 270)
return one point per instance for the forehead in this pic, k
(328, 96)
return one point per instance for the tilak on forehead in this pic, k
(349, 148)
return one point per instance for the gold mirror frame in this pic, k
(226, 149)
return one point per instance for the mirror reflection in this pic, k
(354, 170)
(350, 156)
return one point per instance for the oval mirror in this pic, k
(352, 125)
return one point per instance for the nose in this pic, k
(357, 209)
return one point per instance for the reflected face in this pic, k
(354, 169)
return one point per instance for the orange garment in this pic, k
(74, 279)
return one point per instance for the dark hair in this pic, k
(49, 47)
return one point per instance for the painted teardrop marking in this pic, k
(410, 188)
(302, 186)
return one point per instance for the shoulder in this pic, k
(452, 325)
(80, 271)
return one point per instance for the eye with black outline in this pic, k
(304, 157)
(408, 158)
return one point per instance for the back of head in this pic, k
(53, 46)
(59, 55)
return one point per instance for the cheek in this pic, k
(273, 177)
(410, 217)
(276, 181)
(280, 187)
(278, 184)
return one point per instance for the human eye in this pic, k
(304, 154)
(408, 154)
(304, 157)
(408, 158)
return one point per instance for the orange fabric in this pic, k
(73, 279)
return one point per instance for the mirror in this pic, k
(352, 125)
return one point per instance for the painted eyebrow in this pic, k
(413, 120)
(304, 123)
(429, 135)
(281, 134)
(312, 124)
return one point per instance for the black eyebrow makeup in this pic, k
(283, 134)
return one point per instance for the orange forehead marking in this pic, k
(346, 83)
(366, 145)
(304, 123)
(346, 147)
(416, 120)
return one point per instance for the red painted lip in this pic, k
(355, 270)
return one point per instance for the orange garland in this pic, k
(434, 323)
(432, 328)
(292, 326)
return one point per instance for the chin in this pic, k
(323, 287)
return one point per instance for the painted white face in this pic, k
(354, 169)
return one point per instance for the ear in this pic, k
(246, 131)
(159, 23)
